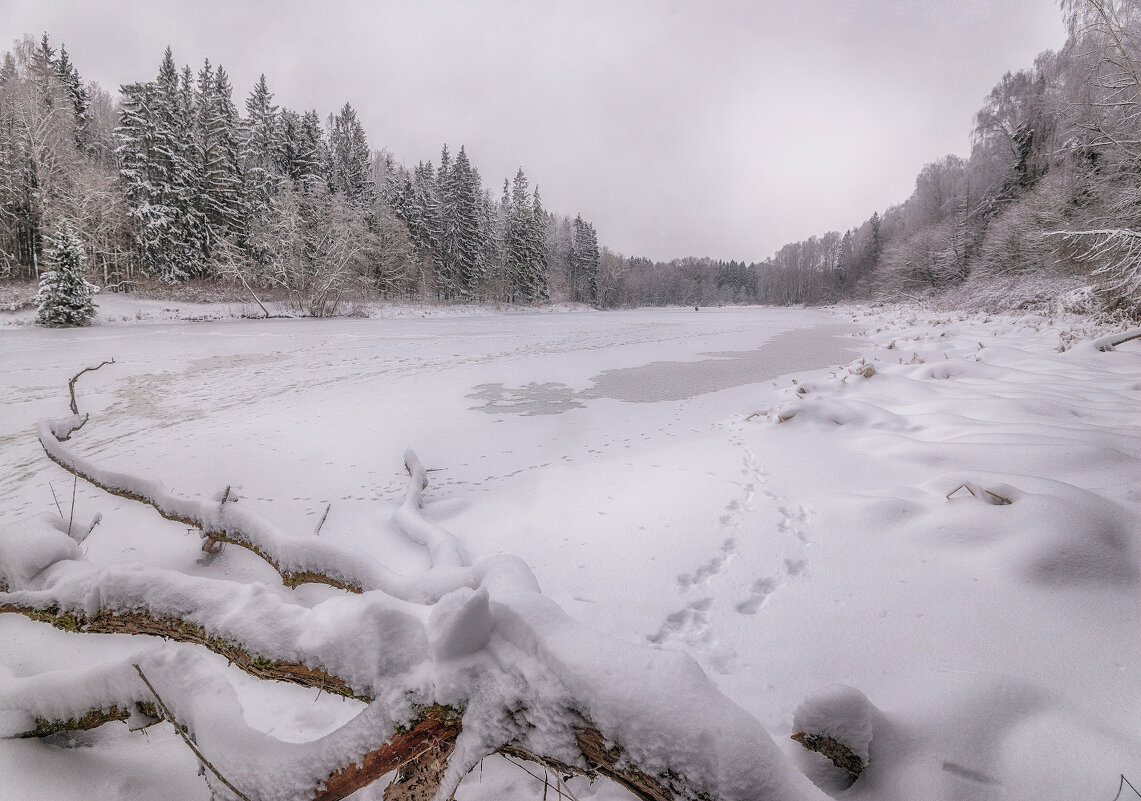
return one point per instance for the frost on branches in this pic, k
(464, 660)
(65, 297)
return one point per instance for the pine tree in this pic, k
(448, 246)
(474, 228)
(423, 211)
(43, 71)
(138, 152)
(80, 100)
(844, 258)
(350, 167)
(190, 248)
(157, 155)
(260, 146)
(537, 286)
(519, 240)
(226, 207)
(584, 262)
(64, 297)
(314, 152)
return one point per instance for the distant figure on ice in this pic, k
(695, 308)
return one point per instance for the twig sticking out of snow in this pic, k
(321, 522)
(186, 738)
(71, 518)
(1121, 786)
(54, 498)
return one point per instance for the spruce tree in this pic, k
(156, 155)
(259, 148)
(350, 163)
(64, 297)
(314, 151)
(226, 209)
(584, 262)
(80, 100)
(518, 241)
(423, 212)
(475, 227)
(449, 247)
(537, 286)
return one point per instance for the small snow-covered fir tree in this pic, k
(64, 298)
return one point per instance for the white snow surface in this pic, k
(954, 539)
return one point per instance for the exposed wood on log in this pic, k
(420, 778)
(605, 758)
(840, 754)
(434, 733)
(611, 762)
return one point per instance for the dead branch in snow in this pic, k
(74, 378)
(1111, 341)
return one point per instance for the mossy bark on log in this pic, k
(92, 719)
(108, 622)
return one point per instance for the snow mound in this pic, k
(31, 546)
(841, 713)
(1049, 532)
(460, 623)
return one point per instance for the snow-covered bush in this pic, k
(65, 296)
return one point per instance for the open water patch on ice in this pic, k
(801, 349)
(529, 399)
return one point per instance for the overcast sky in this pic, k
(679, 128)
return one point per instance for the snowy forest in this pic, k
(169, 182)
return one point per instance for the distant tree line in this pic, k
(171, 182)
(1049, 198)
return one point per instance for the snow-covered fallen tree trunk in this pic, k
(454, 664)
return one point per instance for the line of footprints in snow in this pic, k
(692, 625)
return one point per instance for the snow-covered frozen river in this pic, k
(635, 460)
(453, 387)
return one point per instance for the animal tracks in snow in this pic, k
(760, 525)
(711, 568)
